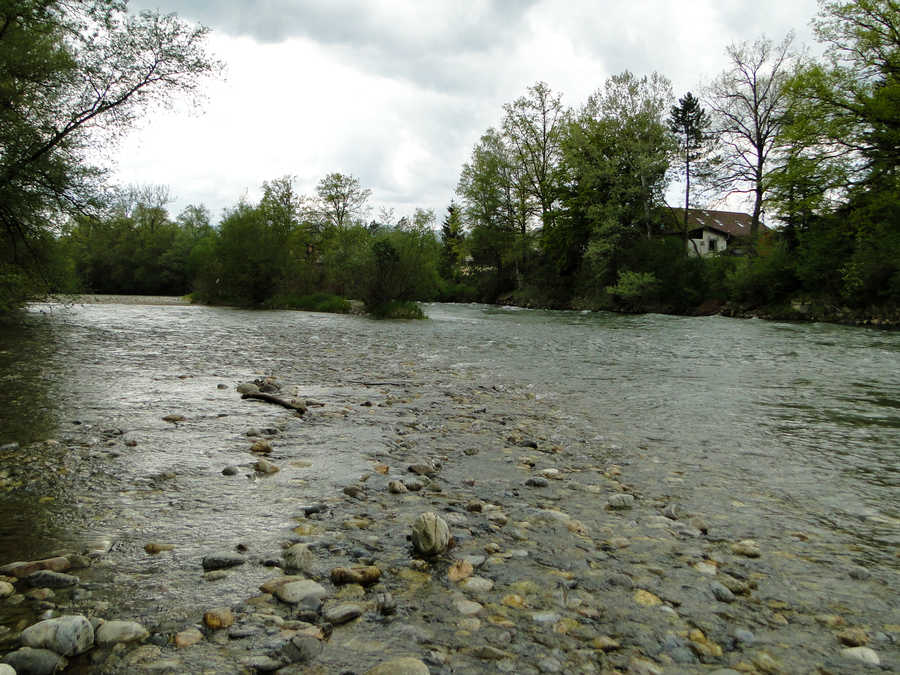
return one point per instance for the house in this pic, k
(712, 232)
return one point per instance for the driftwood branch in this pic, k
(268, 398)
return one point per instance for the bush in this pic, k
(764, 279)
(635, 289)
(316, 302)
(397, 309)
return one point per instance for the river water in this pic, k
(796, 424)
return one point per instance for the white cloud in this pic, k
(397, 93)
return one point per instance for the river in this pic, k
(797, 426)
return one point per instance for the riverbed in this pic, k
(718, 431)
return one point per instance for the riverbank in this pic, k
(577, 547)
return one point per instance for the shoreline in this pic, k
(570, 555)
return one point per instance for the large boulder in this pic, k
(66, 635)
(114, 632)
(30, 661)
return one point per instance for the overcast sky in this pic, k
(397, 92)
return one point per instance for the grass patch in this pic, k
(397, 309)
(316, 302)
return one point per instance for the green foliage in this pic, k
(73, 75)
(634, 290)
(315, 302)
(767, 278)
(397, 309)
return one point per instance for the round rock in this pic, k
(114, 632)
(35, 661)
(430, 534)
(305, 593)
(66, 635)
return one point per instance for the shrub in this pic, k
(316, 302)
(397, 309)
(634, 290)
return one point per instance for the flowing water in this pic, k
(796, 422)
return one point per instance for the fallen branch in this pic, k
(268, 398)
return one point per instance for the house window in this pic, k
(712, 244)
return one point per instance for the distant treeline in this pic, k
(558, 207)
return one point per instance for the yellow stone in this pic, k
(566, 626)
(306, 529)
(188, 637)
(605, 643)
(513, 600)
(577, 527)
(459, 570)
(153, 548)
(646, 599)
(220, 617)
(525, 587)
(498, 620)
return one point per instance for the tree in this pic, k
(74, 75)
(689, 122)
(533, 126)
(615, 159)
(749, 102)
(341, 199)
(452, 242)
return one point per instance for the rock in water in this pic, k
(430, 534)
(35, 661)
(298, 557)
(307, 594)
(46, 579)
(222, 560)
(404, 666)
(66, 635)
(114, 632)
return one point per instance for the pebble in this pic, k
(47, 579)
(747, 548)
(362, 575)
(402, 666)
(187, 638)
(222, 560)
(66, 635)
(298, 557)
(306, 593)
(115, 632)
(864, 654)
(219, 617)
(397, 487)
(853, 637)
(721, 593)
(477, 584)
(261, 447)
(537, 481)
(467, 607)
(6, 589)
(620, 501)
(339, 614)
(230, 470)
(744, 636)
(265, 466)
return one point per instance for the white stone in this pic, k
(864, 654)
(113, 632)
(306, 593)
(467, 607)
(66, 635)
(477, 584)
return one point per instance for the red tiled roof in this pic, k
(729, 222)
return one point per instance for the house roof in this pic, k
(729, 222)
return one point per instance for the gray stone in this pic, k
(620, 501)
(859, 573)
(342, 613)
(230, 470)
(550, 665)
(247, 388)
(721, 592)
(745, 636)
(299, 649)
(262, 664)
(47, 579)
(305, 593)
(537, 481)
(66, 635)
(430, 534)
(298, 557)
(113, 632)
(29, 661)
(402, 666)
(222, 560)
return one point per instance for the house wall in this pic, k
(703, 245)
